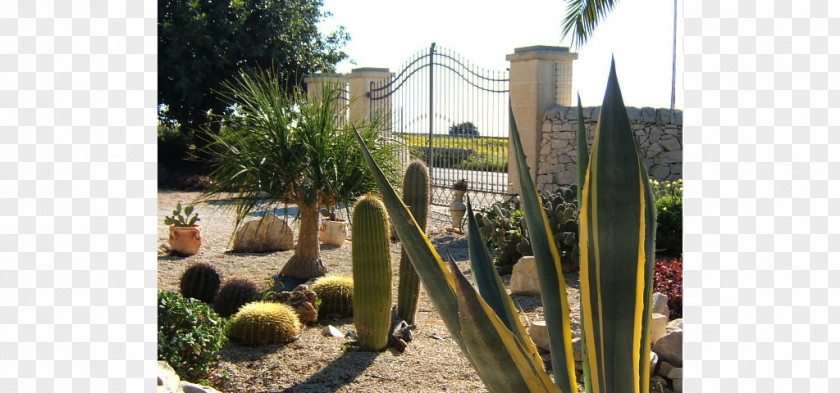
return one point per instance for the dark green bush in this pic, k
(190, 335)
(173, 145)
(668, 216)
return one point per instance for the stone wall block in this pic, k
(648, 115)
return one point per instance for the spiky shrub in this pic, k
(264, 323)
(502, 228)
(561, 210)
(371, 252)
(617, 233)
(336, 294)
(200, 281)
(417, 197)
(234, 294)
(190, 335)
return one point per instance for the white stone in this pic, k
(654, 360)
(659, 304)
(270, 233)
(168, 380)
(669, 347)
(676, 377)
(524, 280)
(577, 349)
(188, 387)
(674, 325)
(539, 335)
(331, 331)
(657, 327)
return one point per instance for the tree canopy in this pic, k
(202, 43)
(463, 129)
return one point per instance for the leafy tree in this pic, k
(202, 43)
(279, 146)
(463, 129)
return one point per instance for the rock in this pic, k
(524, 280)
(634, 114)
(539, 334)
(302, 299)
(648, 115)
(659, 171)
(188, 387)
(669, 347)
(664, 368)
(660, 304)
(331, 331)
(670, 143)
(654, 360)
(657, 327)
(674, 325)
(269, 233)
(675, 375)
(168, 380)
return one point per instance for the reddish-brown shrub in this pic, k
(667, 279)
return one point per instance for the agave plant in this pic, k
(617, 228)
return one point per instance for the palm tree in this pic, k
(279, 147)
(583, 17)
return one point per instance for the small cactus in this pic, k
(234, 294)
(336, 294)
(200, 281)
(264, 323)
(417, 197)
(371, 252)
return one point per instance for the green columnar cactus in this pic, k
(416, 196)
(371, 254)
(264, 323)
(200, 281)
(335, 293)
(234, 294)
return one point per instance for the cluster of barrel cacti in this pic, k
(264, 323)
(335, 293)
(234, 294)
(200, 281)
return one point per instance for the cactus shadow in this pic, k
(342, 371)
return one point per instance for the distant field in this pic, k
(491, 153)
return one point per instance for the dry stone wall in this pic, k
(659, 132)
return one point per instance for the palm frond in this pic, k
(583, 16)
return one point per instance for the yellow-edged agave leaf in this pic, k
(552, 282)
(582, 163)
(492, 289)
(617, 227)
(502, 363)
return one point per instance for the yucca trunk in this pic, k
(306, 262)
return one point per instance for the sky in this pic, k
(638, 33)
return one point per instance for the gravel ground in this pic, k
(313, 363)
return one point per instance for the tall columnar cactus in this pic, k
(371, 273)
(234, 294)
(200, 281)
(416, 196)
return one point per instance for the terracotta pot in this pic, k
(333, 233)
(185, 240)
(457, 209)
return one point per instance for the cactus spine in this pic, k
(265, 323)
(371, 254)
(416, 197)
(234, 294)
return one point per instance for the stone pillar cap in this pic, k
(541, 52)
(323, 76)
(369, 71)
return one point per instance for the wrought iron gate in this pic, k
(454, 116)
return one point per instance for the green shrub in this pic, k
(173, 145)
(668, 216)
(190, 335)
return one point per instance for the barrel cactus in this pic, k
(371, 253)
(234, 294)
(335, 293)
(200, 281)
(264, 323)
(417, 197)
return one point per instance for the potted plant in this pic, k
(333, 230)
(184, 233)
(458, 208)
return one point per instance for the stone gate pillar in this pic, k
(360, 103)
(540, 77)
(316, 85)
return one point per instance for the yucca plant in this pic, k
(617, 227)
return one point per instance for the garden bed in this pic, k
(314, 363)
